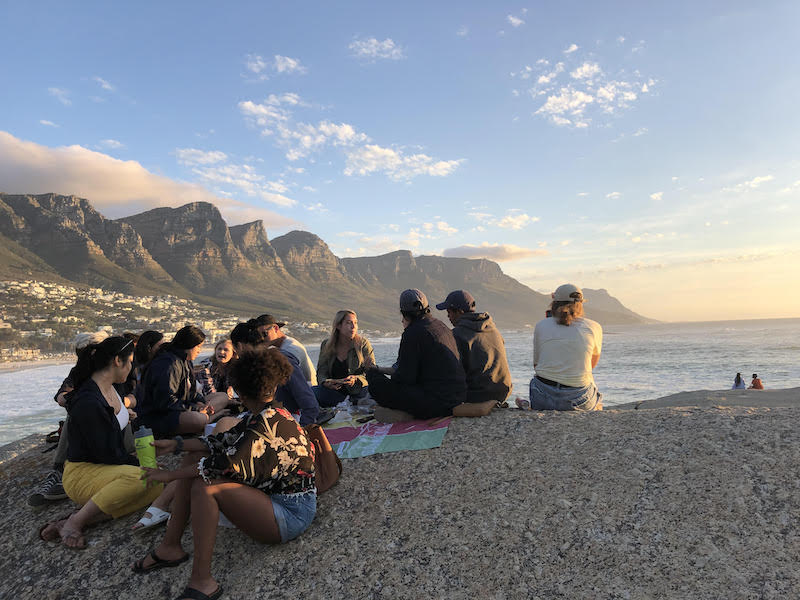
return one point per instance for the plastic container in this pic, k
(145, 451)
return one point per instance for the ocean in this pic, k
(639, 362)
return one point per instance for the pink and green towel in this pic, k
(353, 440)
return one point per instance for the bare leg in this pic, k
(218, 400)
(192, 422)
(239, 502)
(224, 424)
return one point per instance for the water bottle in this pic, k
(145, 451)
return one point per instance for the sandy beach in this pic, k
(694, 497)
(34, 364)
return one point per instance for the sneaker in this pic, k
(50, 489)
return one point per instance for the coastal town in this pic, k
(39, 320)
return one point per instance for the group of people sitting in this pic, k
(244, 410)
(755, 384)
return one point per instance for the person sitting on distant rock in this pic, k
(260, 475)
(738, 382)
(566, 347)
(170, 402)
(100, 474)
(296, 394)
(343, 359)
(756, 384)
(481, 348)
(429, 379)
(213, 374)
(270, 328)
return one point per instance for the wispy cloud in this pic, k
(262, 67)
(60, 94)
(47, 123)
(515, 21)
(373, 49)
(115, 187)
(104, 84)
(657, 196)
(587, 70)
(192, 156)
(613, 195)
(496, 252)
(572, 48)
(397, 165)
(111, 144)
(463, 31)
(751, 184)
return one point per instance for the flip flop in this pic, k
(158, 563)
(193, 594)
(156, 517)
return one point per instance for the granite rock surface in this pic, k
(634, 504)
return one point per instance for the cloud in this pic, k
(61, 95)
(496, 252)
(47, 123)
(515, 21)
(397, 165)
(284, 64)
(751, 184)
(548, 77)
(515, 220)
(371, 49)
(642, 131)
(613, 195)
(104, 84)
(463, 31)
(586, 71)
(657, 196)
(444, 227)
(115, 187)
(193, 156)
(572, 48)
(568, 101)
(112, 144)
(261, 67)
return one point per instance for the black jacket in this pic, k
(429, 358)
(167, 385)
(93, 434)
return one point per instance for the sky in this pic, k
(650, 149)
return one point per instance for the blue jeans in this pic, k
(326, 397)
(294, 513)
(548, 397)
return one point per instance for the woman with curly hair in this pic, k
(260, 474)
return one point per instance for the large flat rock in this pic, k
(662, 503)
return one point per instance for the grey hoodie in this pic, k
(483, 355)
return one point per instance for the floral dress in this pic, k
(268, 451)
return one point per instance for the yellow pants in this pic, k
(116, 489)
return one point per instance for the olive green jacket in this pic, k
(354, 366)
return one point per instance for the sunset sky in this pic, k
(652, 149)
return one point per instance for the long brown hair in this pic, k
(566, 312)
(333, 339)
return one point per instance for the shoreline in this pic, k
(22, 365)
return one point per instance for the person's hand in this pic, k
(349, 380)
(62, 397)
(206, 409)
(331, 384)
(131, 414)
(230, 392)
(164, 446)
(153, 476)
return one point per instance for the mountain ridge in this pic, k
(191, 252)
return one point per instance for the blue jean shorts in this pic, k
(294, 513)
(548, 397)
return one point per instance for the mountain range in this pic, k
(191, 252)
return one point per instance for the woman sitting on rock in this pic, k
(99, 474)
(170, 402)
(260, 474)
(343, 360)
(213, 375)
(566, 347)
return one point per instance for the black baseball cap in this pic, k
(459, 300)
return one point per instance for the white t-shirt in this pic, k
(296, 349)
(563, 353)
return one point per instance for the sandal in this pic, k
(158, 563)
(153, 516)
(193, 594)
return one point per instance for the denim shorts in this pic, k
(548, 397)
(294, 513)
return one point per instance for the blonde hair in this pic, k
(566, 312)
(333, 339)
